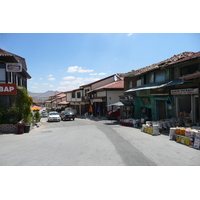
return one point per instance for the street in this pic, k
(86, 142)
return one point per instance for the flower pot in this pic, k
(26, 128)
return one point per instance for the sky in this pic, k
(65, 61)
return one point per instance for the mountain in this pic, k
(42, 96)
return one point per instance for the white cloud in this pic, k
(35, 83)
(50, 75)
(40, 78)
(78, 82)
(74, 69)
(51, 79)
(50, 85)
(33, 87)
(68, 78)
(45, 84)
(101, 74)
(95, 74)
(129, 34)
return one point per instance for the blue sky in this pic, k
(64, 61)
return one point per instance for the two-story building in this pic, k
(105, 95)
(13, 74)
(81, 98)
(56, 102)
(160, 93)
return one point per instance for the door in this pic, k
(161, 109)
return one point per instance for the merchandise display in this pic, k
(187, 136)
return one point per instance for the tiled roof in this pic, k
(97, 81)
(111, 86)
(191, 76)
(182, 57)
(63, 103)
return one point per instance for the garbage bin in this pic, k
(20, 128)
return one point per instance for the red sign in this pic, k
(8, 89)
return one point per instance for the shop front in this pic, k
(186, 104)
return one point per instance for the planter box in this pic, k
(8, 128)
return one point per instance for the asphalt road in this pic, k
(85, 142)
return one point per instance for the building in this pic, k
(13, 74)
(56, 102)
(105, 95)
(161, 90)
(81, 98)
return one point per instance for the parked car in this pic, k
(53, 116)
(44, 114)
(67, 115)
(114, 114)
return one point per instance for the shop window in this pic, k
(184, 108)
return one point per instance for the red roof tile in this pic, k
(182, 57)
(111, 86)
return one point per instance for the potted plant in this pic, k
(37, 116)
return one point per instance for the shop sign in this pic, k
(13, 67)
(185, 91)
(8, 89)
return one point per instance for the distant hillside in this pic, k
(42, 96)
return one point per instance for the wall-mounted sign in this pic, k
(185, 91)
(13, 67)
(8, 89)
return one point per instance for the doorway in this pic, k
(161, 109)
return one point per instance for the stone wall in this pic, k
(8, 128)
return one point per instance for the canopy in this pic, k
(156, 85)
(116, 104)
(36, 108)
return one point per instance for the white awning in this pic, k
(116, 104)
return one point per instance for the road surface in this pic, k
(85, 142)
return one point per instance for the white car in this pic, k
(53, 116)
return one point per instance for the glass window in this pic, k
(2, 75)
(130, 84)
(78, 95)
(159, 76)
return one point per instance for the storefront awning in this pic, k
(156, 85)
(116, 104)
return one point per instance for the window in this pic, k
(9, 77)
(189, 69)
(86, 90)
(130, 84)
(2, 75)
(149, 78)
(159, 76)
(73, 94)
(78, 95)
